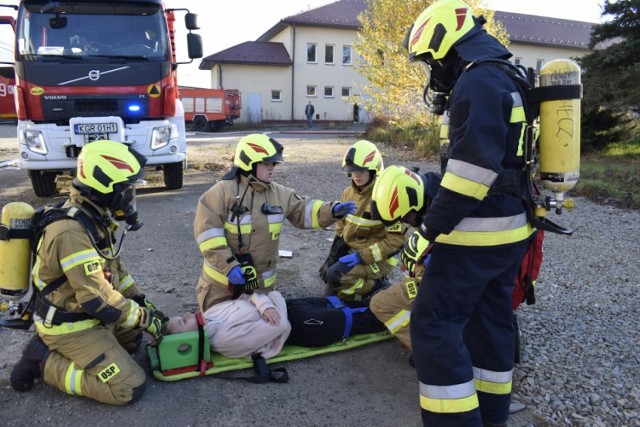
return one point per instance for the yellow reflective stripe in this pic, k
(375, 252)
(464, 186)
(471, 172)
(73, 380)
(517, 115)
(398, 321)
(362, 221)
(520, 150)
(269, 277)
(311, 214)
(65, 328)
(274, 230)
(479, 238)
(132, 317)
(352, 290)
(215, 274)
(493, 382)
(216, 242)
(244, 219)
(448, 399)
(212, 238)
(78, 258)
(125, 283)
(392, 261)
(233, 228)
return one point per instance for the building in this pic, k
(309, 57)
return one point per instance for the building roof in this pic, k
(526, 29)
(250, 53)
(542, 30)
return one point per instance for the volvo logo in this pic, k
(94, 75)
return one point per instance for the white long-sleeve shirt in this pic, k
(236, 327)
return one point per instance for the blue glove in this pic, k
(235, 276)
(343, 209)
(351, 259)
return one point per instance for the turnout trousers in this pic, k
(462, 334)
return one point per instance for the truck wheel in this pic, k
(173, 174)
(44, 183)
(200, 124)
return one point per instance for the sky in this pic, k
(227, 23)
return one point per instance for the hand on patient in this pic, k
(272, 316)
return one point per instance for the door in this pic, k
(254, 107)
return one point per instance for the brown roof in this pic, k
(541, 30)
(528, 29)
(250, 53)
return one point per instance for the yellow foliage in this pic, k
(395, 86)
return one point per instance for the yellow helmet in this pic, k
(397, 192)
(362, 156)
(103, 164)
(438, 28)
(256, 148)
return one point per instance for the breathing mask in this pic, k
(123, 205)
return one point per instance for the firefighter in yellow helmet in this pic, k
(476, 228)
(364, 251)
(239, 220)
(88, 312)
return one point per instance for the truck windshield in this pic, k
(91, 30)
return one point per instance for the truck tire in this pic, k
(201, 124)
(43, 183)
(173, 175)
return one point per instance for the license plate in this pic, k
(94, 128)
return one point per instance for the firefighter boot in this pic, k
(30, 366)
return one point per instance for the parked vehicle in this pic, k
(210, 109)
(7, 84)
(86, 71)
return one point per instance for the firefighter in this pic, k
(476, 229)
(239, 220)
(89, 313)
(369, 248)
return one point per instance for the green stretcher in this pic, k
(187, 355)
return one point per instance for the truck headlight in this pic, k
(34, 140)
(162, 135)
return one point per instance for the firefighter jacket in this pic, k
(486, 129)
(235, 218)
(98, 288)
(373, 241)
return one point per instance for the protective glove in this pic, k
(414, 252)
(235, 276)
(150, 322)
(351, 259)
(343, 209)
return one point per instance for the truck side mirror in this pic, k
(191, 21)
(194, 45)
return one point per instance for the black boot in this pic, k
(30, 366)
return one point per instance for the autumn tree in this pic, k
(395, 86)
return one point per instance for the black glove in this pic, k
(414, 252)
(150, 322)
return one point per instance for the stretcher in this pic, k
(187, 355)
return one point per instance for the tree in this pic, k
(395, 86)
(612, 70)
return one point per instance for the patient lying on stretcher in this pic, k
(260, 323)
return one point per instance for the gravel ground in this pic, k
(580, 364)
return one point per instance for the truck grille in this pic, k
(61, 110)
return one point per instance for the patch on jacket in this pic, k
(92, 267)
(396, 228)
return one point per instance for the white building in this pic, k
(309, 57)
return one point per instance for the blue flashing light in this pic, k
(134, 108)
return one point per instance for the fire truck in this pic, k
(89, 70)
(210, 109)
(7, 84)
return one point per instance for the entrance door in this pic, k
(254, 107)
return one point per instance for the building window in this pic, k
(276, 95)
(311, 91)
(539, 64)
(346, 91)
(517, 61)
(346, 55)
(328, 54)
(328, 91)
(311, 52)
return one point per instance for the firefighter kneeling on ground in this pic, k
(87, 326)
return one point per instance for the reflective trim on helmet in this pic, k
(492, 382)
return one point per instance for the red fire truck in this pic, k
(87, 70)
(210, 109)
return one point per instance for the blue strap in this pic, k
(335, 302)
(348, 314)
